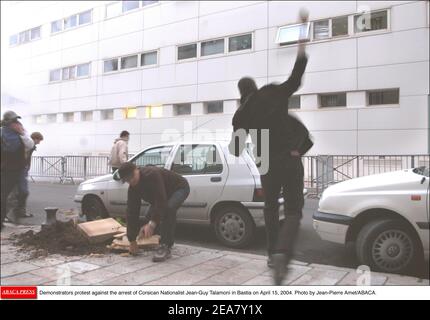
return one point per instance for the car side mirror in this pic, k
(116, 176)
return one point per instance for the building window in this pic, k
(13, 40)
(238, 43)
(293, 33)
(147, 3)
(55, 75)
(333, 100)
(70, 22)
(148, 58)
(321, 29)
(153, 111)
(106, 114)
(294, 102)
(52, 118)
(129, 5)
(24, 36)
(129, 62)
(212, 47)
(113, 9)
(378, 97)
(339, 26)
(35, 33)
(371, 21)
(69, 73)
(182, 109)
(68, 117)
(85, 17)
(214, 107)
(83, 70)
(130, 113)
(187, 52)
(38, 119)
(87, 116)
(56, 26)
(110, 65)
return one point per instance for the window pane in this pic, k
(187, 52)
(130, 113)
(294, 102)
(212, 47)
(383, 97)
(333, 100)
(129, 5)
(240, 43)
(35, 33)
(129, 62)
(85, 17)
(146, 3)
(83, 70)
(107, 114)
(113, 9)
(68, 117)
(153, 111)
(24, 36)
(321, 29)
(197, 159)
(182, 109)
(156, 157)
(292, 34)
(110, 65)
(87, 116)
(340, 26)
(149, 58)
(56, 26)
(55, 75)
(214, 107)
(70, 22)
(13, 39)
(372, 21)
(52, 118)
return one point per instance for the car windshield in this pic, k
(424, 171)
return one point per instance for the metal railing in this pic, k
(319, 171)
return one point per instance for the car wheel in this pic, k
(234, 227)
(94, 209)
(387, 246)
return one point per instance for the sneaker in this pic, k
(280, 266)
(162, 253)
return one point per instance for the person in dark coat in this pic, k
(266, 109)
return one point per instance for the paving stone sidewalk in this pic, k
(189, 265)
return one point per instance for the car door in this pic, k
(117, 191)
(206, 171)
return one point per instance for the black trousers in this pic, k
(9, 180)
(285, 173)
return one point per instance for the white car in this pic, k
(225, 191)
(385, 215)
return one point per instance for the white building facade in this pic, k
(81, 72)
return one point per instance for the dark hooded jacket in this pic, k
(267, 108)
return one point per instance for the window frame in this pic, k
(368, 92)
(329, 20)
(103, 113)
(282, 44)
(206, 107)
(297, 96)
(89, 70)
(149, 65)
(171, 149)
(178, 105)
(227, 46)
(137, 55)
(320, 95)
(217, 152)
(200, 44)
(370, 32)
(60, 70)
(83, 117)
(112, 71)
(65, 117)
(187, 59)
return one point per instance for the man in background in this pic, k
(13, 160)
(119, 151)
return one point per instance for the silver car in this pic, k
(225, 191)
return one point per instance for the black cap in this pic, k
(126, 171)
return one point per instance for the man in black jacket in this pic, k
(267, 108)
(165, 190)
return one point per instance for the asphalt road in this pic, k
(310, 248)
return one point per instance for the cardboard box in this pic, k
(100, 230)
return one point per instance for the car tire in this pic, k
(93, 209)
(387, 245)
(234, 227)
